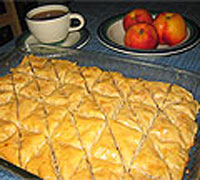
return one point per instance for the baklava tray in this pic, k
(129, 68)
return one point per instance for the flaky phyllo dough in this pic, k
(62, 121)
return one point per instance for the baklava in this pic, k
(61, 121)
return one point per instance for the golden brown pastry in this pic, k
(61, 121)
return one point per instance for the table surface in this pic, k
(96, 12)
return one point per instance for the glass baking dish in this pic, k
(129, 68)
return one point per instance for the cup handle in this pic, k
(81, 20)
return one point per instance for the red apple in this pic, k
(135, 16)
(171, 28)
(141, 36)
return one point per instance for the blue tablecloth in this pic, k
(95, 13)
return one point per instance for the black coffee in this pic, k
(46, 15)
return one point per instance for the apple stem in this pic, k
(141, 31)
(168, 17)
(133, 18)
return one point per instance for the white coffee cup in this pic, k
(55, 29)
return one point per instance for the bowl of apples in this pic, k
(143, 33)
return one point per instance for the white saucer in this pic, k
(75, 40)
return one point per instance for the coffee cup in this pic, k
(52, 23)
